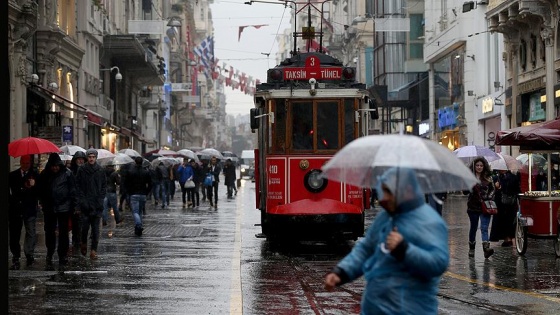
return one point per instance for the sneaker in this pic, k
(211, 204)
(138, 230)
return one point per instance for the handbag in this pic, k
(508, 199)
(208, 179)
(189, 184)
(489, 207)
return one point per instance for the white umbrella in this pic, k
(104, 154)
(361, 162)
(506, 162)
(167, 161)
(537, 159)
(211, 152)
(164, 152)
(188, 154)
(119, 159)
(470, 152)
(71, 149)
(130, 152)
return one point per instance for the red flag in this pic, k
(244, 26)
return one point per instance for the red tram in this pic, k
(308, 109)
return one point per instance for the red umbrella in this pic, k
(31, 145)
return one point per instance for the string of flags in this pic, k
(208, 64)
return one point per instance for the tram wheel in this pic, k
(557, 243)
(521, 238)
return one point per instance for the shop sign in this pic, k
(423, 128)
(447, 116)
(487, 105)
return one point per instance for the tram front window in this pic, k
(327, 126)
(302, 133)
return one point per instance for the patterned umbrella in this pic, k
(471, 152)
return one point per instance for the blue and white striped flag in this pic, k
(205, 51)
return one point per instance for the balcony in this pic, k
(128, 52)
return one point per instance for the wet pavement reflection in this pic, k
(208, 261)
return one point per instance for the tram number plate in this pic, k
(329, 73)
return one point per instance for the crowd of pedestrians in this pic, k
(76, 199)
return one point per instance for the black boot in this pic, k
(487, 250)
(471, 248)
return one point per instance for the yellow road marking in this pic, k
(495, 286)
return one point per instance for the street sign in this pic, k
(67, 134)
(328, 73)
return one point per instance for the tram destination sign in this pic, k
(327, 73)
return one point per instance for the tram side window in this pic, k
(279, 127)
(302, 132)
(327, 126)
(349, 123)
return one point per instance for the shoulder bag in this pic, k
(189, 184)
(489, 207)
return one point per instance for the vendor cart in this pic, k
(539, 201)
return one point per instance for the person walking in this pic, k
(403, 254)
(185, 173)
(503, 224)
(58, 200)
(197, 179)
(22, 211)
(139, 183)
(92, 188)
(163, 177)
(229, 178)
(202, 173)
(212, 191)
(484, 190)
(76, 162)
(110, 201)
(124, 197)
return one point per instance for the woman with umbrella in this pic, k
(484, 190)
(403, 254)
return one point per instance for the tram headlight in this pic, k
(314, 181)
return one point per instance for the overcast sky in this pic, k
(249, 53)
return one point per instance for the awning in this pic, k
(94, 118)
(125, 131)
(50, 96)
(543, 136)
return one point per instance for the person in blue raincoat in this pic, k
(403, 254)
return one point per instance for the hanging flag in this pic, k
(241, 28)
(205, 51)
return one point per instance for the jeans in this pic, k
(137, 203)
(91, 220)
(110, 201)
(165, 192)
(156, 186)
(484, 223)
(54, 220)
(16, 223)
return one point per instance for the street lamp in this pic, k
(118, 76)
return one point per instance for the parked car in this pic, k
(247, 163)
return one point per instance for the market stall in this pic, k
(539, 200)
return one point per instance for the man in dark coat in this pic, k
(58, 199)
(78, 160)
(23, 211)
(212, 191)
(113, 182)
(139, 183)
(92, 187)
(230, 177)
